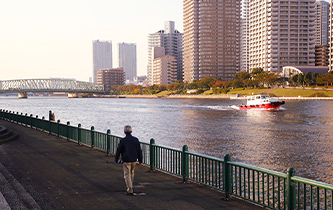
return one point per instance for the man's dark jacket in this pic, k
(129, 149)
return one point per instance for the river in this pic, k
(300, 135)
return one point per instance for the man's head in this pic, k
(127, 129)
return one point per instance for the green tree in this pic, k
(206, 82)
(300, 79)
(294, 78)
(242, 75)
(256, 71)
(236, 83)
(193, 85)
(314, 78)
(308, 78)
(325, 78)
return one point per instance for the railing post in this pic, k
(16, 115)
(50, 122)
(43, 119)
(291, 190)
(67, 130)
(185, 163)
(79, 134)
(92, 137)
(25, 119)
(50, 115)
(30, 120)
(58, 128)
(36, 120)
(108, 141)
(227, 176)
(152, 154)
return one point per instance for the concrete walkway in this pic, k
(40, 171)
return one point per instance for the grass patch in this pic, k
(165, 93)
(247, 92)
(208, 92)
(301, 92)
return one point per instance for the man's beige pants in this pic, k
(129, 175)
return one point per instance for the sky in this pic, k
(53, 39)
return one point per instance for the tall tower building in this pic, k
(127, 60)
(102, 56)
(322, 23)
(282, 33)
(172, 41)
(211, 39)
(245, 37)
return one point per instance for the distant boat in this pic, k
(261, 102)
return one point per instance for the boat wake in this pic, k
(218, 107)
(234, 107)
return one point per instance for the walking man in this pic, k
(130, 151)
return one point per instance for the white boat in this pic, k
(261, 102)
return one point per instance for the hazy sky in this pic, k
(43, 38)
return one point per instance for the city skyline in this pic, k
(41, 39)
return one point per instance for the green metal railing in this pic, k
(267, 188)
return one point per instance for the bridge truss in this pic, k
(49, 85)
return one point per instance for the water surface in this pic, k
(300, 135)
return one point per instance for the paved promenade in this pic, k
(40, 171)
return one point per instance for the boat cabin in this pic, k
(258, 99)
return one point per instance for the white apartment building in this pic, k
(164, 70)
(282, 33)
(211, 39)
(127, 60)
(245, 37)
(322, 23)
(172, 41)
(102, 56)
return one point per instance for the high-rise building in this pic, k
(322, 23)
(164, 71)
(322, 55)
(172, 41)
(102, 56)
(282, 33)
(127, 60)
(245, 37)
(211, 39)
(330, 61)
(111, 76)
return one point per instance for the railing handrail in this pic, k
(312, 182)
(205, 156)
(258, 169)
(268, 188)
(166, 147)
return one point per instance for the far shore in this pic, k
(231, 97)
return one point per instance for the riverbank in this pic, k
(289, 93)
(230, 97)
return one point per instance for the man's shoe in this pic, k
(130, 194)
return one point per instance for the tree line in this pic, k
(257, 78)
